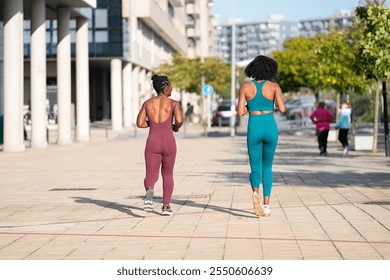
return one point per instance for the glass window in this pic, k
(73, 36)
(72, 24)
(101, 36)
(171, 11)
(90, 36)
(101, 18)
(191, 43)
(48, 37)
(115, 17)
(26, 24)
(116, 35)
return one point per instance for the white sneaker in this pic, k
(266, 210)
(148, 202)
(345, 150)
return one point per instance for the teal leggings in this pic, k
(262, 141)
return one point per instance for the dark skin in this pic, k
(270, 91)
(160, 108)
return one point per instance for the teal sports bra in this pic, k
(259, 102)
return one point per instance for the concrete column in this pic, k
(116, 94)
(136, 91)
(142, 84)
(127, 90)
(13, 76)
(148, 84)
(64, 77)
(38, 74)
(82, 81)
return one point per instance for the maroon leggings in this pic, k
(160, 150)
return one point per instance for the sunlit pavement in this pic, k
(85, 201)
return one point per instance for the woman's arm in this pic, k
(141, 118)
(241, 108)
(178, 114)
(279, 99)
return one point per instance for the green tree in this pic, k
(336, 61)
(186, 74)
(336, 69)
(296, 63)
(374, 51)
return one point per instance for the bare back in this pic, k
(159, 109)
(270, 90)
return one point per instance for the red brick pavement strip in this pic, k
(178, 214)
(193, 237)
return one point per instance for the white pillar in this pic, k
(116, 94)
(148, 84)
(38, 74)
(64, 77)
(135, 96)
(142, 84)
(82, 80)
(13, 76)
(127, 89)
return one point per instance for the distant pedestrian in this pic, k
(344, 125)
(257, 98)
(158, 113)
(189, 112)
(322, 118)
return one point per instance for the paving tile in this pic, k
(85, 201)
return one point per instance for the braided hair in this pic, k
(159, 83)
(262, 68)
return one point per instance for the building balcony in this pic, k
(193, 32)
(178, 3)
(160, 22)
(192, 9)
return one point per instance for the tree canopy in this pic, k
(186, 74)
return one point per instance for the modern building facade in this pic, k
(310, 27)
(262, 38)
(253, 38)
(19, 76)
(92, 64)
(200, 29)
(148, 34)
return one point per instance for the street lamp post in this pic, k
(233, 79)
(386, 120)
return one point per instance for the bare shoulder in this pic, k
(176, 105)
(273, 85)
(247, 85)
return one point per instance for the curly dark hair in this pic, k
(262, 68)
(159, 83)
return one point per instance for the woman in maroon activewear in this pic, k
(158, 113)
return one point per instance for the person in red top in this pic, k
(322, 119)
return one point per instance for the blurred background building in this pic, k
(253, 38)
(80, 61)
(94, 61)
(264, 37)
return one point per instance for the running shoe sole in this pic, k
(257, 208)
(167, 213)
(148, 202)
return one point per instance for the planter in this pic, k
(363, 143)
(332, 136)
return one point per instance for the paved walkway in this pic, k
(84, 201)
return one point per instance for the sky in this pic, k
(292, 10)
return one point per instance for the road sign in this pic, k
(208, 89)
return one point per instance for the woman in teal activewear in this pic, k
(257, 98)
